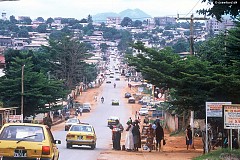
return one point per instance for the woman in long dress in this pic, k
(129, 143)
(136, 135)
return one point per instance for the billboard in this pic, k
(231, 114)
(214, 109)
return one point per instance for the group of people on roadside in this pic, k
(155, 130)
(133, 135)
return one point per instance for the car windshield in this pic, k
(81, 128)
(72, 121)
(143, 109)
(22, 133)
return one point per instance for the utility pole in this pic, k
(191, 18)
(22, 105)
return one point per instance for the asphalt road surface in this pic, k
(98, 119)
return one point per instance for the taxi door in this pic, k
(54, 146)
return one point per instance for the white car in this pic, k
(143, 111)
(86, 107)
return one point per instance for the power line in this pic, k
(193, 7)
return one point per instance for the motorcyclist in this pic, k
(114, 85)
(102, 99)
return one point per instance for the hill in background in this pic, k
(134, 14)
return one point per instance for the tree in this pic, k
(49, 21)
(89, 19)
(232, 43)
(67, 56)
(84, 20)
(40, 19)
(180, 46)
(137, 23)
(42, 28)
(126, 22)
(221, 7)
(192, 80)
(104, 47)
(26, 20)
(23, 33)
(13, 19)
(125, 41)
(38, 90)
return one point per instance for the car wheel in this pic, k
(93, 146)
(69, 145)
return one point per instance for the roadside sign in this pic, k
(15, 118)
(214, 109)
(231, 115)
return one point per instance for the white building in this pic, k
(216, 26)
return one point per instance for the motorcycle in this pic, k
(102, 99)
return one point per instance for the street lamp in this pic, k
(22, 92)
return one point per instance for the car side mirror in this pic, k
(57, 142)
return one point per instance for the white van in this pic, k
(86, 107)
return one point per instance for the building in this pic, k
(216, 26)
(6, 41)
(113, 20)
(4, 16)
(163, 21)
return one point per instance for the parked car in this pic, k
(115, 102)
(70, 122)
(108, 81)
(86, 107)
(145, 100)
(27, 141)
(112, 120)
(111, 76)
(143, 111)
(127, 95)
(81, 134)
(131, 100)
(117, 78)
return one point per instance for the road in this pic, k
(98, 119)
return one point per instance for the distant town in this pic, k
(23, 33)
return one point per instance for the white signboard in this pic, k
(231, 116)
(15, 118)
(214, 109)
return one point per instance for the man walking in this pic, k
(159, 135)
(188, 136)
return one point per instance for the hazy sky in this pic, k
(82, 8)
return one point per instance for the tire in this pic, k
(93, 146)
(69, 145)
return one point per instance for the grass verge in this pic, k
(220, 154)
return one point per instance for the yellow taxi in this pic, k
(82, 135)
(27, 141)
(112, 120)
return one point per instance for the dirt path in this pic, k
(175, 149)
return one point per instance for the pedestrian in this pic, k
(157, 120)
(150, 136)
(47, 120)
(188, 136)
(76, 113)
(146, 120)
(129, 120)
(80, 111)
(95, 98)
(159, 133)
(129, 143)
(136, 135)
(116, 135)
